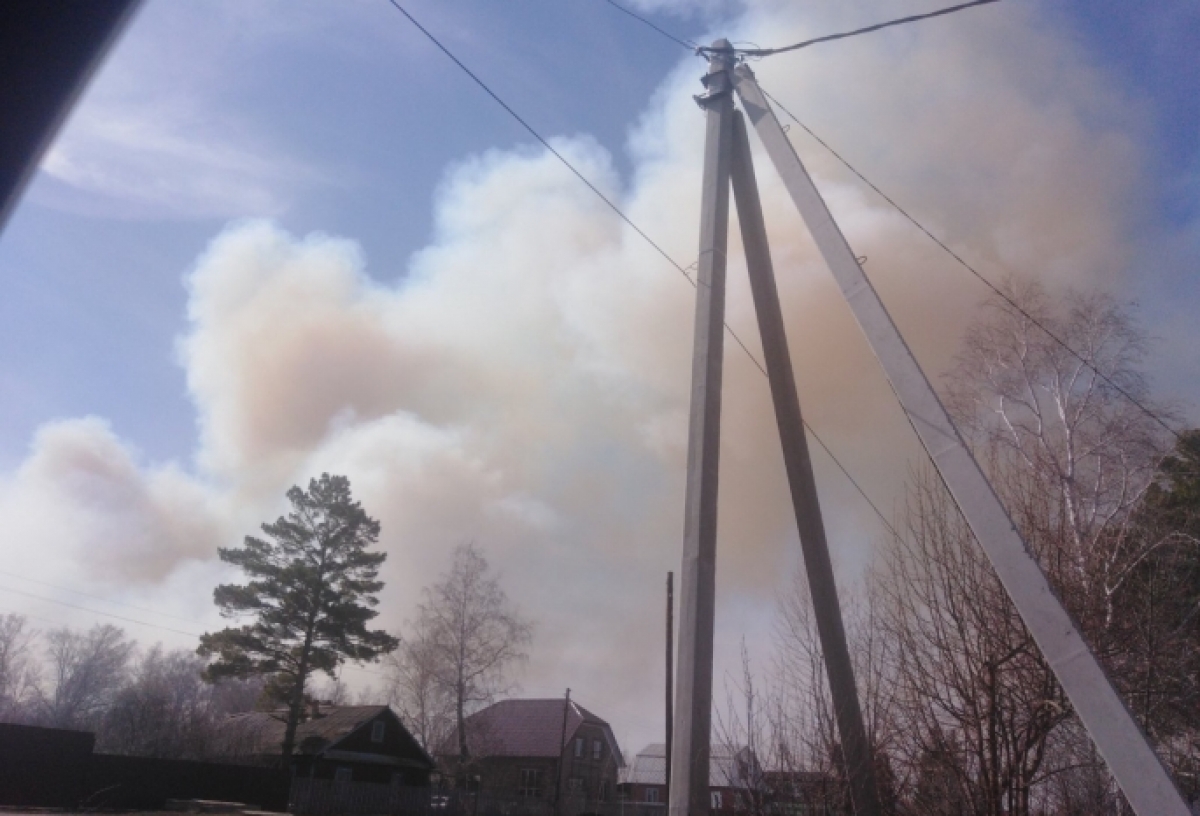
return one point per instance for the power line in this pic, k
(535, 134)
(685, 43)
(94, 597)
(97, 611)
(996, 290)
(11, 611)
(569, 166)
(125, 619)
(627, 220)
(767, 52)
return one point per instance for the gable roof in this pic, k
(263, 731)
(727, 766)
(530, 728)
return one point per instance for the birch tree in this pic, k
(466, 640)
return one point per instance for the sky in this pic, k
(283, 238)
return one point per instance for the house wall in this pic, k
(502, 776)
(396, 743)
(597, 778)
(635, 794)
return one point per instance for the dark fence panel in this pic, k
(42, 767)
(123, 782)
(329, 797)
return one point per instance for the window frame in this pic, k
(714, 800)
(527, 790)
(597, 750)
(578, 747)
(651, 796)
(378, 731)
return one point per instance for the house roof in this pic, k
(726, 766)
(265, 729)
(530, 728)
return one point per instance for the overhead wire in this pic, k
(682, 270)
(770, 52)
(685, 43)
(759, 53)
(120, 617)
(8, 574)
(97, 612)
(982, 278)
(958, 258)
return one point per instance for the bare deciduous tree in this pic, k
(465, 642)
(18, 669)
(426, 706)
(1073, 454)
(164, 710)
(970, 712)
(87, 669)
(977, 700)
(803, 727)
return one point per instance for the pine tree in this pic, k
(311, 591)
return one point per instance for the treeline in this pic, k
(139, 701)
(151, 701)
(965, 715)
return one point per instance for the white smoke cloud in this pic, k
(82, 505)
(525, 384)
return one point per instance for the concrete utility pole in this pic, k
(1116, 734)
(562, 739)
(856, 750)
(693, 697)
(668, 711)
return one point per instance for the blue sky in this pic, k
(341, 120)
(366, 106)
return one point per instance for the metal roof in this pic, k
(529, 728)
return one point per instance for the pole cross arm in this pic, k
(1113, 729)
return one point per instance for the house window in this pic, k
(377, 728)
(603, 795)
(714, 800)
(578, 747)
(531, 783)
(597, 749)
(652, 796)
(343, 775)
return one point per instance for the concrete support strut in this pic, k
(1116, 734)
(693, 691)
(856, 749)
(670, 685)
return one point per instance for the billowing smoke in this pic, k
(525, 384)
